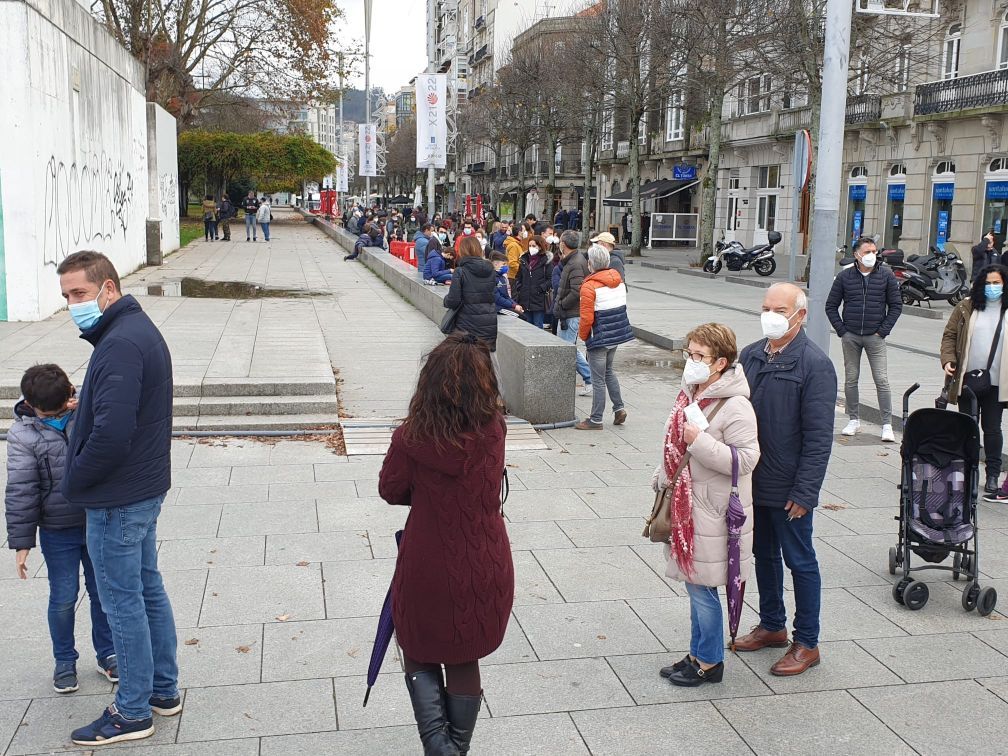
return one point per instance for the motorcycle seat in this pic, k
(912, 258)
(757, 248)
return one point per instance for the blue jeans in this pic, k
(706, 624)
(538, 319)
(570, 336)
(265, 230)
(774, 536)
(250, 226)
(123, 546)
(443, 277)
(65, 551)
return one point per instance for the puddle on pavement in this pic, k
(641, 359)
(200, 289)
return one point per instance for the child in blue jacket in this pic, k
(502, 293)
(435, 270)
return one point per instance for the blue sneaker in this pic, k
(65, 678)
(112, 727)
(109, 668)
(166, 707)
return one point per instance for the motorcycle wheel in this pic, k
(906, 297)
(956, 298)
(765, 267)
(712, 267)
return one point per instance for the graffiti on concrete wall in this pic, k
(168, 195)
(84, 203)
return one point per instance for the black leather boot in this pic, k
(426, 690)
(463, 711)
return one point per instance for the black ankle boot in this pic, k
(426, 690)
(463, 711)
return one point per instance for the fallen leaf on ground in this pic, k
(302, 563)
(283, 617)
(352, 653)
(242, 649)
(600, 637)
(192, 641)
(834, 507)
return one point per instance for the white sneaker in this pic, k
(887, 433)
(585, 390)
(851, 428)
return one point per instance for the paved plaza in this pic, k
(277, 557)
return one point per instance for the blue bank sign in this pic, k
(684, 172)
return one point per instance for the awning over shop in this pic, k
(580, 191)
(652, 190)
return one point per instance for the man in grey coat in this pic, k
(567, 308)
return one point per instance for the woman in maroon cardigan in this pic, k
(454, 580)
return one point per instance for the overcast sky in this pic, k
(398, 40)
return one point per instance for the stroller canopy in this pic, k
(939, 436)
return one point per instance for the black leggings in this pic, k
(990, 423)
(460, 679)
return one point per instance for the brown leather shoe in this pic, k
(587, 425)
(620, 417)
(795, 661)
(759, 637)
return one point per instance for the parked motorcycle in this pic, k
(938, 277)
(735, 257)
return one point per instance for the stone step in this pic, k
(256, 422)
(257, 405)
(226, 387)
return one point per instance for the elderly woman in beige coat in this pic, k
(714, 385)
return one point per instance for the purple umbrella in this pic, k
(736, 519)
(383, 636)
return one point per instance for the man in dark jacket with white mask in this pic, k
(870, 295)
(793, 391)
(118, 469)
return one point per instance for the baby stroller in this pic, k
(938, 503)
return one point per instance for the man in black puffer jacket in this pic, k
(871, 302)
(472, 291)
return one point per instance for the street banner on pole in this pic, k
(342, 178)
(367, 150)
(432, 121)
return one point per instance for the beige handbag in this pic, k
(658, 527)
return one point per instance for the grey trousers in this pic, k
(603, 378)
(875, 347)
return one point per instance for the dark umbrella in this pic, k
(383, 636)
(736, 519)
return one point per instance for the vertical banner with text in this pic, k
(368, 153)
(342, 179)
(432, 122)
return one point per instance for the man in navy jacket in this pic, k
(793, 390)
(871, 301)
(119, 469)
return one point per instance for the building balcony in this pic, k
(622, 150)
(980, 91)
(792, 120)
(866, 108)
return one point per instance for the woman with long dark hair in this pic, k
(454, 580)
(972, 347)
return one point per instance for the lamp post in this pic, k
(367, 86)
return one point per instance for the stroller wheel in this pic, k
(892, 560)
(915, 595)
(971, 593)
(956, 564)
(897, 590)
(986, 601)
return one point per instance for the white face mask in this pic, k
(533, 250)
(869, 260)
(696, 373)
(775, 325)
(552, 239)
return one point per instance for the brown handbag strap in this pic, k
(686, 457)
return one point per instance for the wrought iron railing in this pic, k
(866, 108)
(963, 93)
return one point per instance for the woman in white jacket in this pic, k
(713, 382)
(265, 216)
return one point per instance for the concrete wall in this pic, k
(74, 157)
(167, 198)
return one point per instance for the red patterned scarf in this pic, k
(681, 526)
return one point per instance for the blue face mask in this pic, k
(59, 423)
(503, 269)
(993, 291)
(86, 314)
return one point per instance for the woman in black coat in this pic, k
(472, 289)
(533, 282)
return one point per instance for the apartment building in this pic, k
(405, 104)
(925, 165)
